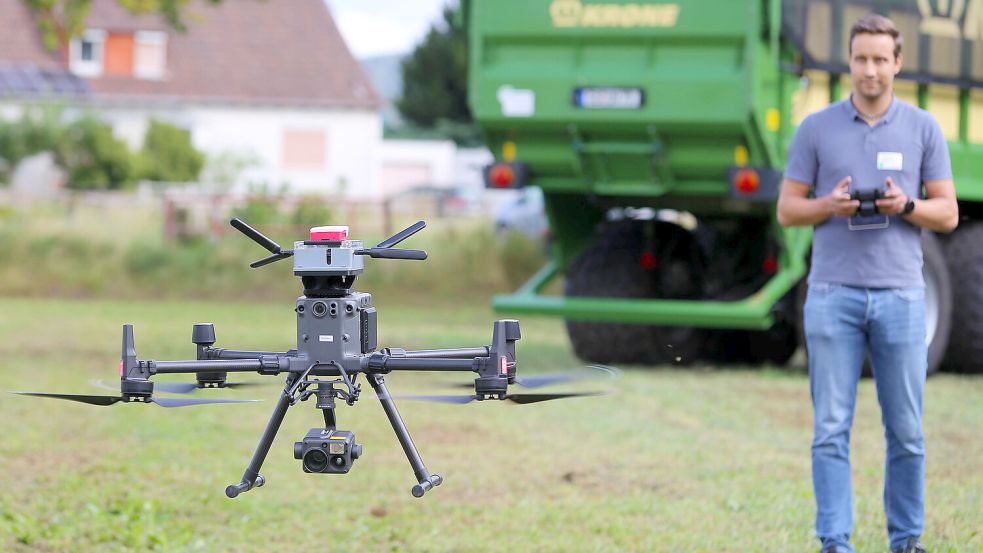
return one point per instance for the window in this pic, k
(86, 53)
(150, 59)
(304, 149)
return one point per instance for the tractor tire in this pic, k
(611, 268)
(965, 260)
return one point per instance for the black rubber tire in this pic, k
(938, 283)
(938, 286)
(778, 344)
(775, 346)
(964, 256)
(610, 268)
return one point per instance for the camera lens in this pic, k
(319, 308)
(338, 461)
(315, 460)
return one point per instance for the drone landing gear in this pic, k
(252, 478)
(426, 480)
(326, 394)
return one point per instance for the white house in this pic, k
(269, 83)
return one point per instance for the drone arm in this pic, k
(251, 477)
(457, 353)
(269, 364)
(425, 480)
(385, 361)
(210, 353)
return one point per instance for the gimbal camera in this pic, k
(336, 343)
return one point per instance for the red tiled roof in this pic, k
(20, 39)
(110, 16)
(240, 51)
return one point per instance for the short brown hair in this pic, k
(874, 24)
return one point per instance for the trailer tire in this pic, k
(964, 257)
(775, 346)
(778, 344)
(610, 268)
(938, 299)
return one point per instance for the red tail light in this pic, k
(503, 365)
(501, 175)
(648, 261)
(747, 181)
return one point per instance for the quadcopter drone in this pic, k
(336, 342)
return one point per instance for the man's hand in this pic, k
(894, 199)
(839, 202)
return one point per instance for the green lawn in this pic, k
(674, 460)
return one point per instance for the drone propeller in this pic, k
(548, 379)
(521, 399)
(187, 388)
(109, 400)
(181, 387)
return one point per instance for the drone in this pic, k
(336, 342)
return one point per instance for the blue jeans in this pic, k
(841, 323)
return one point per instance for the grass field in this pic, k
(674, 460)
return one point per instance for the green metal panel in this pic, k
(716, 74)
(695, 74)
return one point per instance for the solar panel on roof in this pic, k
(30, 80)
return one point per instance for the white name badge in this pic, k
(889, 161)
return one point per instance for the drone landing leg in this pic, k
(425, 479)
(251, 478)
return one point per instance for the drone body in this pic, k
(336, 342)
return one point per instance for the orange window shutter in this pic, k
(119, 54)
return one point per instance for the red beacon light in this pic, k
(747, 181)
(329, 233)
(501, 175)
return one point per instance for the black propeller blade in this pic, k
(91, 400)
(539, 380)
(185, 401)
(180, 387)
(521, 399)
(187, 388)
(109, 400)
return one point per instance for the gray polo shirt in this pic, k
(907, 145)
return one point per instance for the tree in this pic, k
(435, 80)
(168, 154)
(93, 157)
(60, 20)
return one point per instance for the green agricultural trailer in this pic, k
(658, 132)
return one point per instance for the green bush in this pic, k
(260, 210)
(168, 155)
(93, 157)
(36, 131)
(311, 211)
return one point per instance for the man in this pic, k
(866, 291)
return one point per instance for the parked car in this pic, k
(525, 214)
